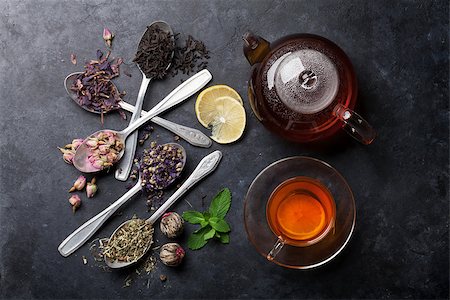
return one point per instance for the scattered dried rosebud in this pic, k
(75, 201)
(108, 37)
(91, 188)
(79, 184)
(73, 58)
(68, 156)
(171, 254)
(171, 224)
(76, 143)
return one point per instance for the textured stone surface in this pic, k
(400, 53)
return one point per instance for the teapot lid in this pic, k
(305, 80)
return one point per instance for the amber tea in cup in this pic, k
(301, 211)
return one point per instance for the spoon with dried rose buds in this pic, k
(191, 135)
(133, 238)
(159, 167)
(90, 158)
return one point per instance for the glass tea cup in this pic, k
(301, 211)
(323, 244)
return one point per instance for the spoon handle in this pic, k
(124, 165)
(208, 164)
(191, 135)
(87, 230)
(178, 95)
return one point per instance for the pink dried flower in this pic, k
(98, 164)
(73, 58)
(75, 201)
(79, 184)
(76, 143)
(92, 143)
(91, 188)
(68, 157)
(103, 149)
(108, 37)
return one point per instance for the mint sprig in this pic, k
(212, 223)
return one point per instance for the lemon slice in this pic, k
(224, 114)
(220, 90)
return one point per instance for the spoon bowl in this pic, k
(81, 157)
(167, 29)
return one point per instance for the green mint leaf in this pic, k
(210, 234)
(197, 239)
(204, 223)
(220, 204)
(193, 217)
(224, 238)
(214, 219)
(220, 226)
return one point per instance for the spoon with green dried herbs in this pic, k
(191, 135)
(155, 50)
(83, 160)
(159, 167)
(133, 238)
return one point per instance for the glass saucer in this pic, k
(262, 237)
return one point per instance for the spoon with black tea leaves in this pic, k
(191, 135)
(124, 165)
(76, 239)
(178, 95)
(205, 167)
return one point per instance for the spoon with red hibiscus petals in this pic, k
(205, 167)
(82, 158)
(77, 238)
(191, 135)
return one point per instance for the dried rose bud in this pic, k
(92, 143)
(79, 184)
(98, 164)
(103, 149)
(76, 143)
(171, 254)
(108, 36)
(75, 201)
(171, 224)
(91, 188)
(68, 157)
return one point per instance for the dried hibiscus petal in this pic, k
(94, 88)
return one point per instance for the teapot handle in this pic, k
(354, 124)
(255, 47)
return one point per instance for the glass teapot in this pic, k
(303, 87)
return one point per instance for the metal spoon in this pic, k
(124, 166)
(85, 231)
(206, 166)
(191, 135)
(182, 92)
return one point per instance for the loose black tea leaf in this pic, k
(154, 52)
(94, 88)
(192, 57)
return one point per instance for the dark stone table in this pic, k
(400, 53)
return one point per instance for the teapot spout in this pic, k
(255, 47)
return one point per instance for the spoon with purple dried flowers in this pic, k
(191, 135)
(87, 156)
(159, 167)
